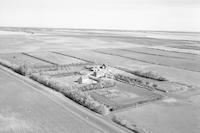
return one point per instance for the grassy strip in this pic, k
(127, 124)
(73, 93)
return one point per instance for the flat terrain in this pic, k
(133, 60)
(25, 110)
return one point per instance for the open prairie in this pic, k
(82, 80)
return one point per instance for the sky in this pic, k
(171, 15)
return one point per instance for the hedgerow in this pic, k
(100, 85)
(73, 93)
(135, 81)
(21, 69)
(149, 75)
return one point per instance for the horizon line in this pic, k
(100, 29)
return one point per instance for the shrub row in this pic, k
(53, 68)
(57, 72)
(100, 85)
(73, 93)
(21, 69)
(9, 65)
(57, 69)
(149, 75)
(135, 81)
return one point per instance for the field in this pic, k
(173, 74)
(101, 80)
(108, 59)
(165, 117)
(191, 65)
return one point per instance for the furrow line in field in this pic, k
(39, 58)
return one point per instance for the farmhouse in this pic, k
(84, 80)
